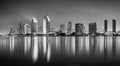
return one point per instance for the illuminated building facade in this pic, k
(34, 26)
(27, 29)
(46, 24)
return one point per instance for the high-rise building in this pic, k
(113, 25)
(27, 29)
(48, 27)
(46, 24)
(92, 28)
(105, 25)
(34, 26)
(79, 28)
(20, 29)
(69, 28)
(62, 28)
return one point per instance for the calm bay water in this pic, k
(67, 49)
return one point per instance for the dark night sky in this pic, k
(60, 11)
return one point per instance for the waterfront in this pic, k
(60, 50)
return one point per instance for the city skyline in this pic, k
(60, 11)
(86, 29)
(68, 29)
(64, 30)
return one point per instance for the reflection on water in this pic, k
(64, 47)
(48, 52)
(27, 44)
(44, 45)
(12, 44)
(35, 48)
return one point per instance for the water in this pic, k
(60, 50)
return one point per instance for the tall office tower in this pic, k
(113, 25)
(105, 25)
(69, 28)
(46, 24)
(27, 29)
(48, 27)
(79, 28)
(92, 28)
(20, 29)
(34, 26)
(62, 28)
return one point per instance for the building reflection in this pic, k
(80, 44)
(72, 45)
(48, 52)
(65, 47)
(44, 45)
(57, 43)
(114, 46)
(105, 47)
(62, 45)
(35, 48)
(109, 47)
(27, 44)
(101, 44)
(76, 45)
(12, 44)
(92, 45)
(87, 44)
(117, 47)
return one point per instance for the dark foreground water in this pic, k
(68, 51)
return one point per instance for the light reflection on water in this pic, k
(27, 44)
(44, 45)
(51, 47)
(35, 48)
(12, 44)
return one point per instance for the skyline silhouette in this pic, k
(77, 29)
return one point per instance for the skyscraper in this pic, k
(62, 28)
(69, 28)
(20, 29)
(113, 25)
(48, 27)
(92, 28)
(27, 29)
(105, 25)
(34, 26)
(79, 28)
(46, 24)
